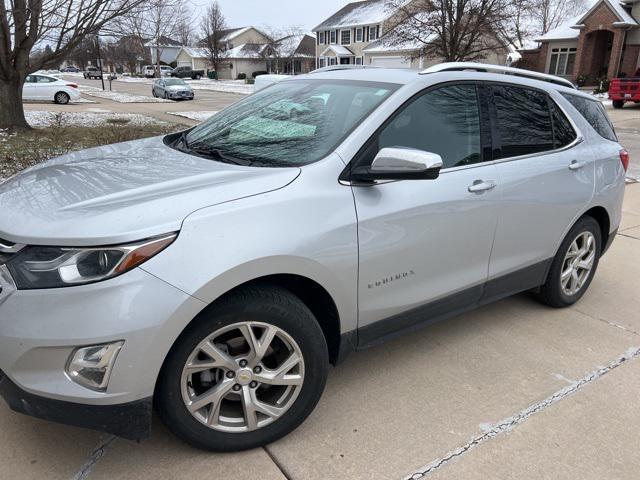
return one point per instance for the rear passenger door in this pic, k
(547, 177)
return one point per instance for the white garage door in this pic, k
(391, 62)
(184, 64)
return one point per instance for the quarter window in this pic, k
(523, 121)
(563, 132)
(445, 121)
(593, 112)
(345, 37)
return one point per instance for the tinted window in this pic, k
(524, 121)
(563, 132)
(40, 79)
(593, 112)
(445, 121)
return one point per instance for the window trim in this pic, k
(361, 30)
(345, 175)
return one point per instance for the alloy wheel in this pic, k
(242, 377)
(578, 263)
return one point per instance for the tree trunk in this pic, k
(11, 108)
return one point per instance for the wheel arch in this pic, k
(600, 215)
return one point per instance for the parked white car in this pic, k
(48, 88)
(148, 71)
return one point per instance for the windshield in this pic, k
(174, 81)
(291, 123)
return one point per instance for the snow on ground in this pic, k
(96, 118)
(227, 86)
(146, 81)
(604, 98)
(198, 116)
(119, 96)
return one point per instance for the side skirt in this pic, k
(415, 319)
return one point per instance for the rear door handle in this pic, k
(576, 165)
(482, 186)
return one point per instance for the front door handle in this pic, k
(480, 186)
(576, 165)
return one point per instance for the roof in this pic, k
(303, 46)
(338, 50)
(246, 50)
(567, 32)
(196, 52)
(367, 12)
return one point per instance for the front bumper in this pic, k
(131, 420)
(181, 95)
(40, 329)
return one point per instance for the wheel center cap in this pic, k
(244, 376)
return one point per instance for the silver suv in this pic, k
(214, 274)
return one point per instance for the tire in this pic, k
(153, 93)
(61, 98)
(274, 309)
(553, 293)
(198, 77)
(165, 96)
(618, 103)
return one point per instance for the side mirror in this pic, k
(398, 163)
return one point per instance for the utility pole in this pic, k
(100, 61)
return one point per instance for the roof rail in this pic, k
(333, 68)
(482, 67)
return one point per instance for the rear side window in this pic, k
(523, 121)
(563, 132)
(593, 112)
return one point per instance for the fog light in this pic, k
(91, 366)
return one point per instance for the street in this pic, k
(513, 390)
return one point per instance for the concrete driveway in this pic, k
(514, 390)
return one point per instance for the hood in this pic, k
(120, 193)
(178, 87)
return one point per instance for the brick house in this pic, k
(602, 42)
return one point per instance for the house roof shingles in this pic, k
(367, 12)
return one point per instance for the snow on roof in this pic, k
(367, 12)
(246, 50)
(563, 32)
(232, 33)
(339, 50)
(387, 44)
(292, 46)
(162, 42)
(196, 52)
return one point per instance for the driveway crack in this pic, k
(94, 458)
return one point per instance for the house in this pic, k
(359, 34)
(165, 47)
(294, 54)
(195, 57)
(602, 42)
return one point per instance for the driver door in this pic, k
(425, 244)
(29, 89)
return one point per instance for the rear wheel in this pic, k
(247, 373)
(618, 103)
(198, 76)
(62, 98)
(574, 266)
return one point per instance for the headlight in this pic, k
(53, 267)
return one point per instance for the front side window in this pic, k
(445, 121)
(291, 123)
(345, 38)
(594, 113)
(523, 121)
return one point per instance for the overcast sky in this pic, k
(277, 13)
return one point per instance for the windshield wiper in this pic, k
(183, 140)
(217, 154)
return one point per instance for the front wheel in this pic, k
(618, 103)
(574, 265)
(198, 77)
(246, 373)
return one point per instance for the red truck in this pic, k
(625, 89)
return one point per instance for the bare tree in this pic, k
(454, 30)
(184, 29)
(549, 14)
(26, 25)
(213, 26)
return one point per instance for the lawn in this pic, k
(24, 149)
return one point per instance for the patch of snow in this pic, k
(198, 116)
(228, 86)
(40, 119)
(563, 32)
(369, 13)
(119, 96)
(146, 81)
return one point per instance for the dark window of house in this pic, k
(524, 122)
(345, 37)
(321, 38)
(593, 112)
(445, 121)
(359, 36)
(333, 36)
(563, 132)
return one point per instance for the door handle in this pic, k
(480, 186)
(576, 165)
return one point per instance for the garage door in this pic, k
(391, 62)
(184, 64)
